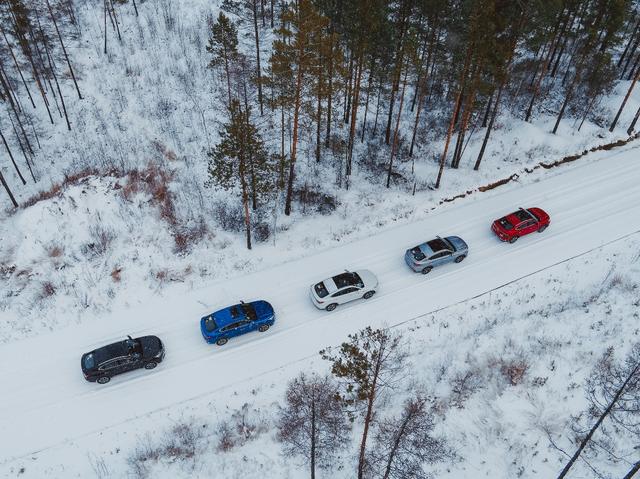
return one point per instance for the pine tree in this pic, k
(239, 159)
(223, 45)
(370, 363)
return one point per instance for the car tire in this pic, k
(368, 294)
(542, 228)
(263, 328)
(150, 365)
(460, 258)
(222, 341)
(513, 239)
(103, 379)
(426, 270)
(331, 307)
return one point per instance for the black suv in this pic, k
(103, 363)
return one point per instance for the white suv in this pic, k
(342, 288)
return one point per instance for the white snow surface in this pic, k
(48, 413)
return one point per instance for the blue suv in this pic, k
(236, 320)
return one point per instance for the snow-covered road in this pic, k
(44, 399)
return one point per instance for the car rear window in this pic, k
(210, 324)
(89, 361)
(417, 253)
(320, 290)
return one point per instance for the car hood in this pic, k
(368, 278)
(458, 243)
(151, 346)
(542, 216)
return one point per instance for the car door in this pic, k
(439, 258)
(244, 326)
(525, 227)
(231, 330)
(111, 367)
(345, 295)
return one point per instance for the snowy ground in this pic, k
(529, 301)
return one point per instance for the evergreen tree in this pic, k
(368, 364)
(223, 45)
(239, 159)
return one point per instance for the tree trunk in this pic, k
(632, 472)
(354, 117)
(329, 88)
(258, 69)
(8, 190)
(13, 161)
(105, 26)
(348, 91)
(454, 116)
(55, 78)
(468, 111)
(633, 123)
(366, 103)
(624, 102)
(394, 145)
(313, 438)
(396, 444)
(115, 20)
(595, 427)
(15, 62)
(490, 127)
(367, 419)
(245, 204)
(629, 43)
(294, 141)
(64, 50)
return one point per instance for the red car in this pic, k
(520, 223)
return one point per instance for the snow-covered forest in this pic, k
(161, 159)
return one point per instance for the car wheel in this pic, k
(263, 328)
(150, 365)
(331, 307)
(369, 294)
(222, 341)
(103, 380)
(513, 239)
(460, 258)
(542, 228)
(427, 269)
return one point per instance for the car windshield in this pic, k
(505, 223)
(417, 253)
(249, 311)
(347, 279)
(89, 361)
(437, 244)
(320, 290)
(210, 324)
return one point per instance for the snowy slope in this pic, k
(46, 401)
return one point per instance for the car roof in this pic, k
(433, 246)
(348, 278)
(521, 215)
(234, 313)
(110, 351)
